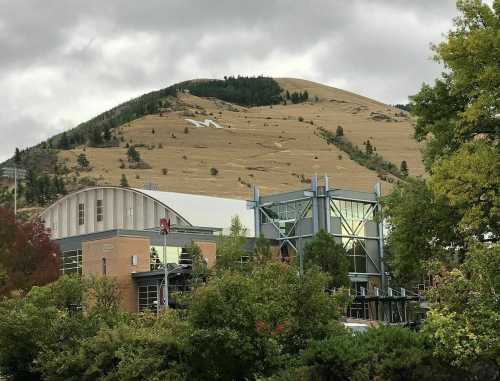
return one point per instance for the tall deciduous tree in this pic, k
(27, 255)
(469, 183)
(230, 249)
(465, 314)
(465, 100)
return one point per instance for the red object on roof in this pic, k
(165, 225)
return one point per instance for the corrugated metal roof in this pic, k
(206, 211)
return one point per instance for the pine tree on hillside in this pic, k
(124, 181)
(95, 138)
(63, 141)
(82, 161)
(17, 157)
(368, 148)
(133, 155)
(404, 169)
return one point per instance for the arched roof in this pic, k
(205, 211)
(195, 210)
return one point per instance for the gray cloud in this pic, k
(64, 62)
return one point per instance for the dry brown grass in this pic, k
(261, 145)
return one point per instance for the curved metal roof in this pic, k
(205, 211)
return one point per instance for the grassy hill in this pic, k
(277, 146)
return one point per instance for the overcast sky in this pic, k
(62, 62)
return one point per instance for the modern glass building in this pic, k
(293, 218)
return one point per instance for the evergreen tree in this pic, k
(17, 157)
(63, 141)
(124, 181)
(133, 155)
(404, 169)
(95, 138)
(368, 148)
(330, 256)
(107, 134)
(339, 132)
(82, 161)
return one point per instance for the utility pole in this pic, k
(165, 229)
(16, 174)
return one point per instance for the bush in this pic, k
(214, 171)
(385, 353)
(164, 171)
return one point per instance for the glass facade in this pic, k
(357, 226)
(156, 256)
(285, 214)
(71, 262)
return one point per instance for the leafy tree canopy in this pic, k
(465, 100)
(323, 251)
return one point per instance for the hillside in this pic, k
(263, 145)
(275, 146)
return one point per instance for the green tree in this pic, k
(469, 183)
(340, 131)
(63, 142)
(95, 138)
(403, 168)
(82, 161)
(368, 148)
(465, 313)
(385, 353)
(199, 267)
(330, 256)
(262, 251)
(17, 157)
(230, 251)
(133, 155)
(462, 103)
(124, 181)
(31, 324)
(422, 229)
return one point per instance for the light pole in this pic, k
(165, 229)
(167, 273)
(14, 173)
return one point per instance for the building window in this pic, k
(134, 260)
(81, 214)
(130, 212)
(147, 297)
(104, 269)
(99, 211)
(287, 211)
(71, 262)
(356, 252)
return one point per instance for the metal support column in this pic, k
(315, 211)
(328, 219)
(256, 210)
(378, 193)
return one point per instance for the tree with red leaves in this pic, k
(27, 255)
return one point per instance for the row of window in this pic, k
(99, 212)
(287, 211)
(71, 262)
